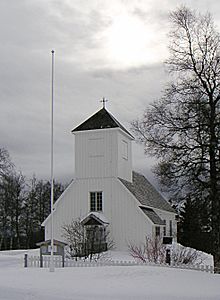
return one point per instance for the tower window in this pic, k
(164, 229)
(124, 149)
(171, 228)
(95, 201)
(157, 230)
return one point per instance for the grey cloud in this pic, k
(30, 29)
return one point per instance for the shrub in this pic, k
(186, 256)
(151, 251)
(87, 242)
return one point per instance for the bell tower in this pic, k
(102, 148)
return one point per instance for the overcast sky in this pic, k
(102, 48)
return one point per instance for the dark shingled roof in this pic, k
(100, 120)
(145, 193)
(152, 216)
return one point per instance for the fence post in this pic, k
(168, 257)
(25, 260)
(63, 261)
(41, 261)
(207, 268)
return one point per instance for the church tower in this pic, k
(102, 148)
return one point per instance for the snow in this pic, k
(103, 283)
(202, 257)
(98, 215)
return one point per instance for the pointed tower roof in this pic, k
(101, 120)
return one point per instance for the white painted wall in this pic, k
(124, 160)
(168, 216)
(99, 154)
(128, 224)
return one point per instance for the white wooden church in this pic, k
(106, 191)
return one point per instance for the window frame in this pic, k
(157, 231)
(124, 149)
(96, 201)
(165, 228)
(171, 228)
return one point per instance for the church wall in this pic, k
(168, 216)
(128, 224)
(103, 153)
(124, 157)
(96, 153)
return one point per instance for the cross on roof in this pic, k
(103, 101)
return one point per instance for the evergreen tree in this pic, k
(194, 229)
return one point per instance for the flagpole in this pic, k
(52, 269)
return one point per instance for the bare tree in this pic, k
(186, 256)
(11, 207)
(152, 250)
(5, 162)
(86, 241)
(183, 128)
(37, 208)
(23, 207)
(74, 235)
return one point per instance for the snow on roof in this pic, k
(97, 216)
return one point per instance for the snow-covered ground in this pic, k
(103, 283)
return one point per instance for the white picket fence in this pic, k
(34, 261)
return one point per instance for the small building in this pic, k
(106, 188)
(45, 249)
